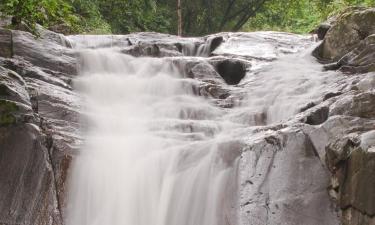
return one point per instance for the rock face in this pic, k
(28, 192)
(38, 127)
(349, 43)
(317, 167)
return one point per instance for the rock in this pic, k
(27, 185)
(286, 182)
(360, 105)
(28, 194)
(348, 31)
(361, 59)
(352, 168)
(232, 71)
(6, 43)
(151, 50)
(44, 98)
(48, 51)
(317, 116)
(215, 43)
(12, 87)
(322, 30)
(61, 29)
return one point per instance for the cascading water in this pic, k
(142, 164)
(155, 153)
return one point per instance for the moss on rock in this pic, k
(8, 110)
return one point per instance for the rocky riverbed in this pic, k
(304, 137)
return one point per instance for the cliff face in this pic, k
(39, 122)
(349, 47)
(317, 167)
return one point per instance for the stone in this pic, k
(215, 43)
(285, 182)
(317, 116)
(322, 30)
(349, 29)
(48, 51)
(232, 71)
(6, 48)
(353, 168)
(360, 105)
(27, 186)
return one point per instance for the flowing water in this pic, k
(156, 153)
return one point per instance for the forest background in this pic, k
(199, 17)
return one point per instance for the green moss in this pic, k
(7, 110)
(7, 119)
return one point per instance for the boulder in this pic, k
(353, 181)
(27, 185)
(231, 70)
(347, 32)
(360, 105)
(6, 43)
(322, 30)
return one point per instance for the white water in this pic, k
(155, 154)
(142, 165)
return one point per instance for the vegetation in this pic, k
(198, 16)
(299, 16)
(7, 111)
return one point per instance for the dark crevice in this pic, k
(350, 206)
(232, 71)
(48, 143)
(11, 45)
(318, 116)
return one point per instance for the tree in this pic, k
(209, 16)
(179, 15)
(44, 12)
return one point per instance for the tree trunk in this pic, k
(179, 15)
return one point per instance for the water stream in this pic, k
(156, 153)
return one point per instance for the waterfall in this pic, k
(156, 153)
(153, 152)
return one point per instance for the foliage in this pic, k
(199, 16)
(30, 12)
(126, 16)
(7, 111)
(90, 19)
(299, 16)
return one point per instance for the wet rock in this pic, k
(360, 105)
(308, 106)
(152, 50)
(27, 187)
(45, 98)
(27, 184)
(331, 95)
(6, 43)
(348, 31)
(322, 30)
(353, 181)
(12, 87)
(288, 182)
(232, 71)
(317, 116)
(215, 43)
(48, 51)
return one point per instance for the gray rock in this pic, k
(27, 184)
(6, 43)
(349, 29)
(360, 105)
(284, 182)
